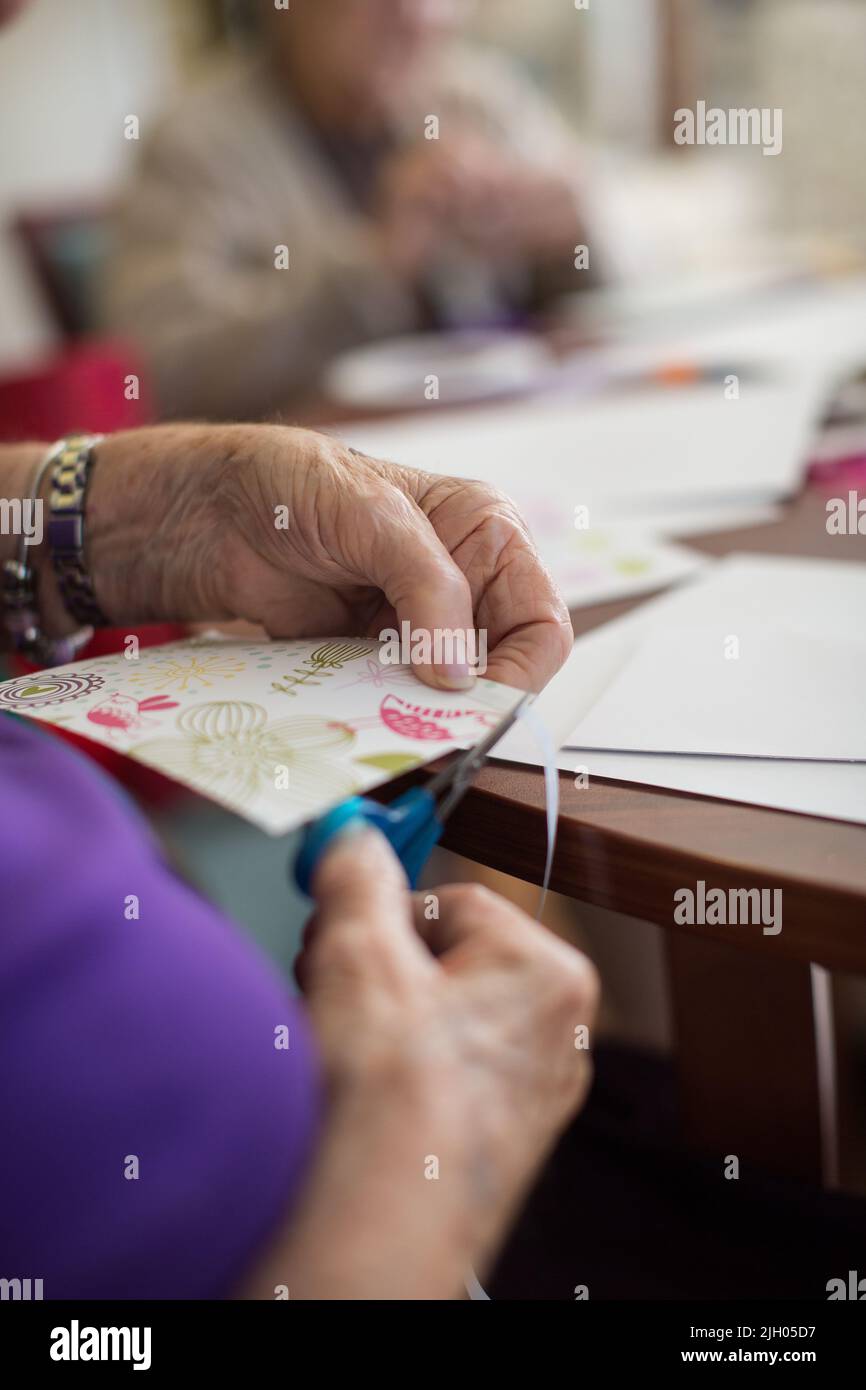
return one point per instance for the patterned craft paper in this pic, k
(276, 731)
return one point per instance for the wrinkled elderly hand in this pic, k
(469, 190)
(291, 530)
(458, 1037)
(506, 207)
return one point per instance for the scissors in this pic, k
(414, 822)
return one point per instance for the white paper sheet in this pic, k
(836, 791)
(775, 694)
(815, 331)
(617, 455)
(761, 656)
(275, 731)
(810, 595)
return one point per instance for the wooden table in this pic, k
(752, 1015)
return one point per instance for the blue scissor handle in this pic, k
(410, 824)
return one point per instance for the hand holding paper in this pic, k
(293, 531)
(274, 731)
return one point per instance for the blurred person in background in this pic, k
(414, 184)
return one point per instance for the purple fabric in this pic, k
(152, 1038)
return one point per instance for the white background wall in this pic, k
(70, 71)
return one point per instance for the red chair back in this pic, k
(96, 386)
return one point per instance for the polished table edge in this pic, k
(601, 858)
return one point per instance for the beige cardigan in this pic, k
(230, 175)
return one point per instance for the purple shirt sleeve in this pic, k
(122, 1039)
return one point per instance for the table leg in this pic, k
(754, 1049)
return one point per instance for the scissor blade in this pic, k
(455, 779)
(488, 743)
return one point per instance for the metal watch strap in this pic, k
(20, 603)
(70, 475)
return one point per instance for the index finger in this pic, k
(515, 602)
(526, 652)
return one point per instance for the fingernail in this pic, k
(459, 677)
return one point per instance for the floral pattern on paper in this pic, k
(47, 688)
(191, 672)
(379, 676)
(228, 748)
(212, 713)
(324, 661)
(422, 722)
(122, 714)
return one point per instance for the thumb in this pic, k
(361, 890)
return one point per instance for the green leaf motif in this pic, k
(394, 763)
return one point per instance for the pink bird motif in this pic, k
(121, 714)
(419, 721)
